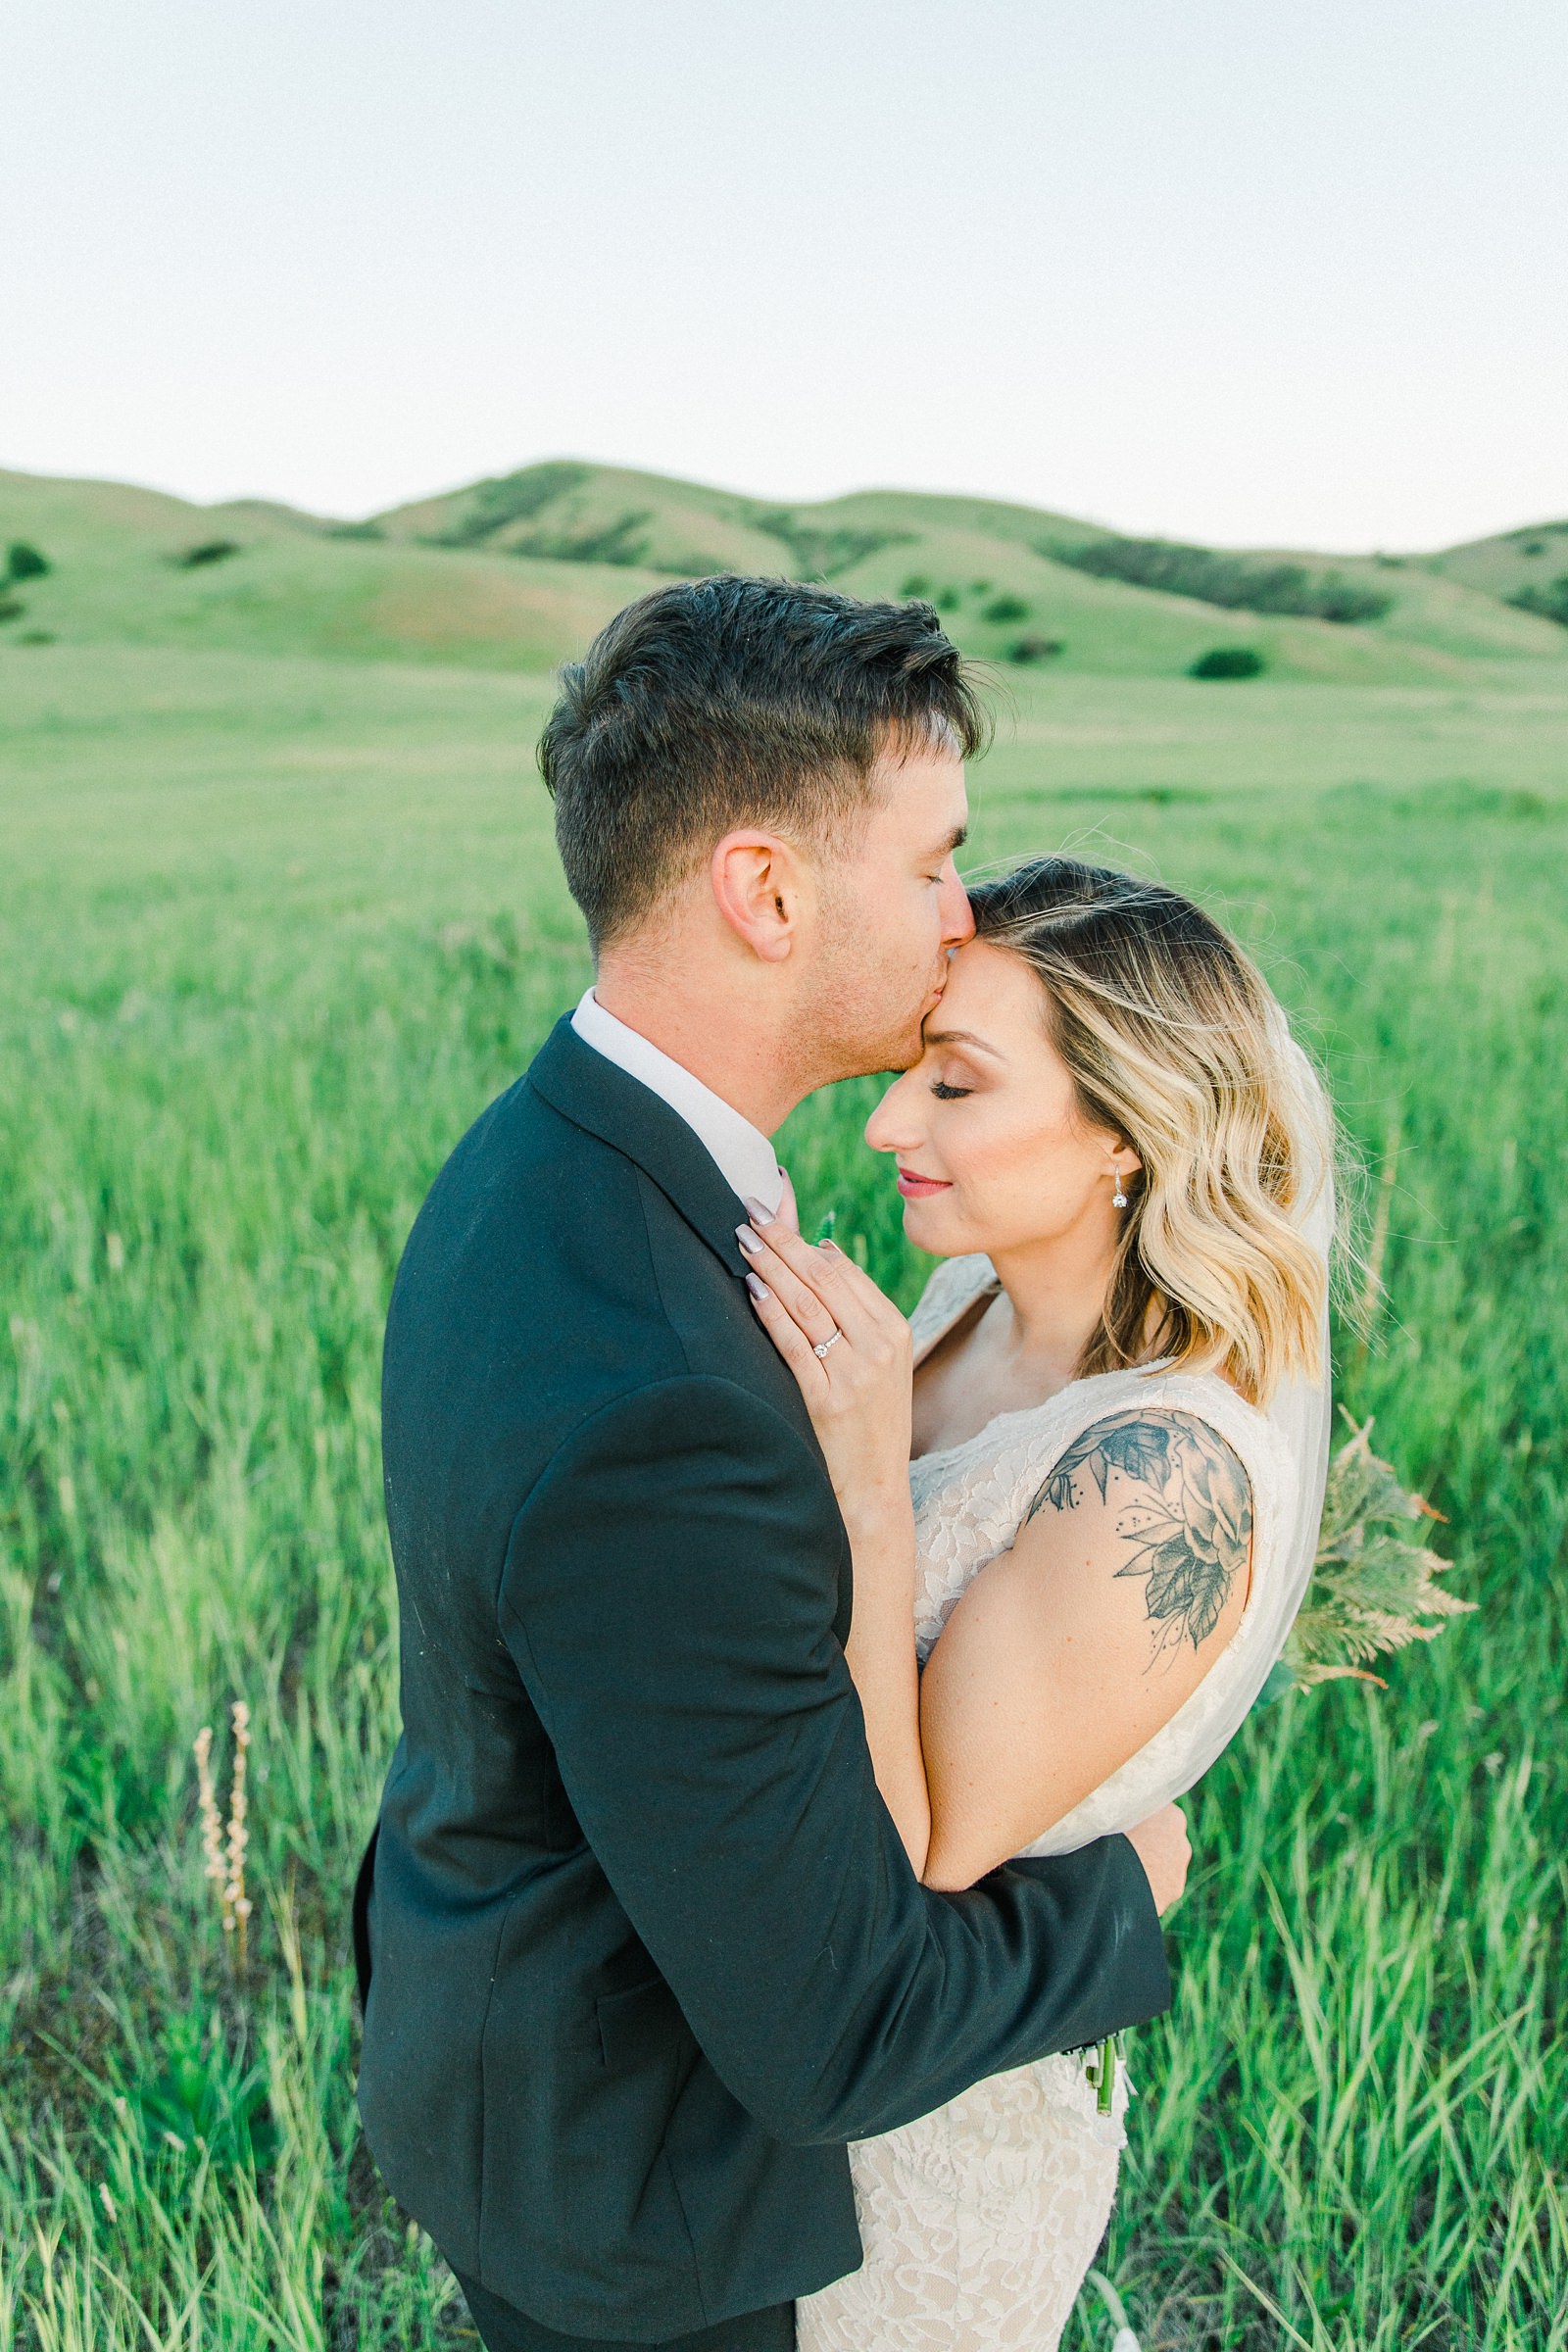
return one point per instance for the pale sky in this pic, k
(1238, 271)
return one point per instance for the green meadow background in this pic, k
(280, 914)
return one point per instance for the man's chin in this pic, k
(902, 1048)
(934, 997)
(913, 1046)
(909, 1050)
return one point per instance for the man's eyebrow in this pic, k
(961, 1037)
(951, 841)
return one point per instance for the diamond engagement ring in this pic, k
(823, 1346)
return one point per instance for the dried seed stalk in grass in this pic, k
(212, 1868)
(224, 1854)
(237, 1903)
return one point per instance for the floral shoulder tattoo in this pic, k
(1187, 1520)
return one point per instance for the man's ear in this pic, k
(757, 889)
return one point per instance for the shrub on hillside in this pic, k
(1550, 602)
(621, 542)
(509, 498)
(1233, 582)
(1035, 649)
(1228, 662)
(24, 561)
(12, 606)
(819, 554)
(916, 586)
(1340, 599)
(206, 551)
(1005, 607)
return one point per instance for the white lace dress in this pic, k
(979, 2220)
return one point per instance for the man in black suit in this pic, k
(647, 1948)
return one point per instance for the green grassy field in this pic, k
(275, 929)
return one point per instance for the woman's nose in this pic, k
(892, 1126)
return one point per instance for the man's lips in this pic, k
(920, 1188)
(939, 989)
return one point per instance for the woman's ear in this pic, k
(757, 889)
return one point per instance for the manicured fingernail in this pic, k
(758, 1287)
(748, 1240)
(757, 1212)
(830, 1248)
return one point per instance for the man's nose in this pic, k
(957, 915)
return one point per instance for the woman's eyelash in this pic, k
(950, 1093)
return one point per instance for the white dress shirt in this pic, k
(742, 1153)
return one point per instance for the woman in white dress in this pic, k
(1083, 1525)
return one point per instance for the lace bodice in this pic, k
(971, 1499)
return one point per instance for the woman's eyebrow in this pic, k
(961, 1037)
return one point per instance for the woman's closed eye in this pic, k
(948, 1094)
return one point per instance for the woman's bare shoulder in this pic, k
(1161, 1492)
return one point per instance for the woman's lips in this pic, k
(920, 1188)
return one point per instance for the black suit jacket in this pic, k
(647, 1947)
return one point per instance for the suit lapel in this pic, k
(605, 1100)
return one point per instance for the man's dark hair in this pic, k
(727, 702)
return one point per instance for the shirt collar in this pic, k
(743, 1154)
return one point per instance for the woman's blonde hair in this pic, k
(1177, 1044)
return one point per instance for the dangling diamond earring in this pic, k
(1118, 1198)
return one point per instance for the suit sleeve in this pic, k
(668, 1598)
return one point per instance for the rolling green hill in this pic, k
(518, 572)
(122, 573)
(1531, 563)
